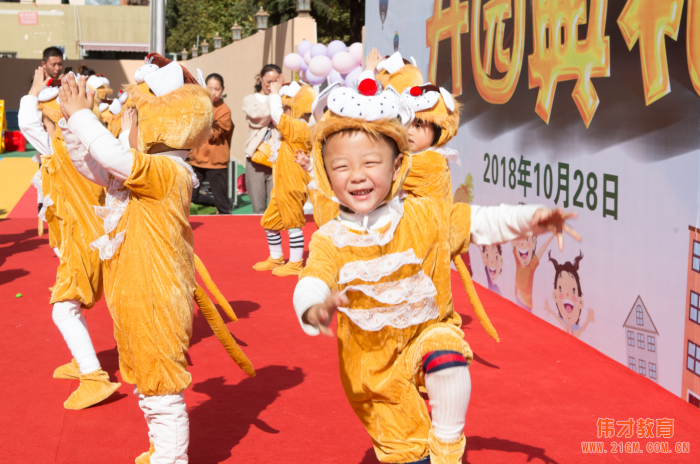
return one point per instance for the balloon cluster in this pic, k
(335, 62)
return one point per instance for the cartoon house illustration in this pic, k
(690, 383)
(641, 338)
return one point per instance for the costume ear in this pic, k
(405, 112)
(449, 101)
(320, 102)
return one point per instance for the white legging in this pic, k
(68, 317)
(449, 391)
(168, 427)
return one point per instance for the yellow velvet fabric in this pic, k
(381, 370)
(443, 117)
(286, 207)
(325, 209)
(150, 281)
(301, 102)
(180, 119)
(74, 225)
(429, 177)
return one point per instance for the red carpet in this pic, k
(536, 396)
(26, 207)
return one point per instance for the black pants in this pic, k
(218, 181)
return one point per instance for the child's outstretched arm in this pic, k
(104, 148)
(491, 225)
(29, 116)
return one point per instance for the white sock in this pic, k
(274, 241)
(68, 317)
(169, 427)
(296, 245)
(449, 390)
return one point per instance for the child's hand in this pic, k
(321, 315)
(276, 86)
(39, 82)
(74, 96)
(127, 119)
(554, 220)
(373, 59)
(302, 159)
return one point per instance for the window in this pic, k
(642, 367)
(632, 363)
(696, 256)
(694, 307)
(693, 362)
(651, 343)
(640, 341)
(652, 370)
(640, 315)
(630, 338)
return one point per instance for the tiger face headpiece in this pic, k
(50, 103)
(369, 109)
(436, 105)
(399, 73)
(299, 98)
(173, 107)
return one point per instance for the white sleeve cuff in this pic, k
(366, 74)
(276, 107)
(309, 291)
(124, 139)
(491, 225)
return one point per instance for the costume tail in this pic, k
(221, 331)
(474, 298)
(211, 286)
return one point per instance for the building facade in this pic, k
(690, 383)
(641, 338)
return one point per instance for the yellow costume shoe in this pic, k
(94, 387)
(145, 458)
(68, 371)
(269, 264)
(289, 269)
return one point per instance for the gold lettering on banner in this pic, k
(448, 23)
(693, 42)
(648, 21)
(497, 91)
(558, 54)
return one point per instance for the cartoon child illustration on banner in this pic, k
(492, 256)
(526, 262)
(567, 296)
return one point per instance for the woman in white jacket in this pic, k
(262, 135)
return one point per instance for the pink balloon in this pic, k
(319, 50)
(344, 62)
(320, 65)
(303, 47)
(336, 47)
(334, 77)
(353, 76)
(293, 61)
(312, 79)
(357, 51)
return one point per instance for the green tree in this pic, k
(187, 19)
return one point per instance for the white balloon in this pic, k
(307, 57)
(356, 50)
(344, 62)
(320, 66)
(293, 61)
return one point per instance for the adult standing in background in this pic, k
(262, 135)
(52, 62)
(210, 161)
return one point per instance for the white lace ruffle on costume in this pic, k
(400, 316)
(45, 203)
(374, 269)
(412, 289)
(450, 154)
(116, 201)
(36, 182)
(312, 185)
(342, 236)
(274, 152)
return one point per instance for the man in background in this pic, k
(52, 62)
